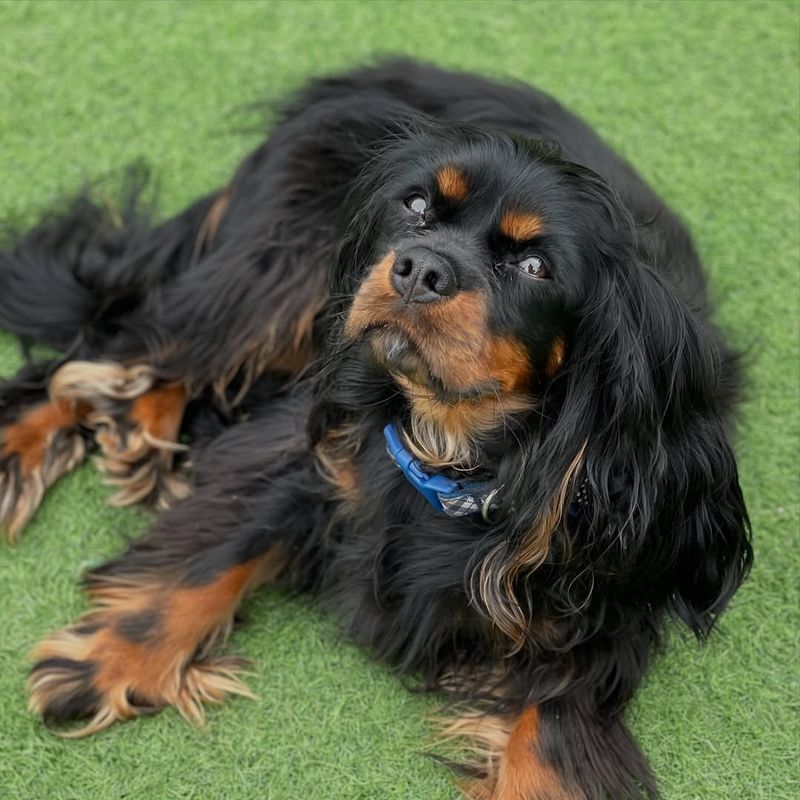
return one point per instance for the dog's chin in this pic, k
(394, 351)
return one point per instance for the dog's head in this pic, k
(499, 288)
(469, 296)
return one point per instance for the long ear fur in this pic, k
(639, 411)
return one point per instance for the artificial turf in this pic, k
(702, 97)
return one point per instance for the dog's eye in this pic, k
(535, 266)
(418, 204)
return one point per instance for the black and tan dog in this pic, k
(426, 263)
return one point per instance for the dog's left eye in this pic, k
(418, 204)
(535, 266)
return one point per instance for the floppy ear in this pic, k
(637, 420)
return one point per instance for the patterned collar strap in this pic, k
(453, 498)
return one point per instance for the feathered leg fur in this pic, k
(163, 606)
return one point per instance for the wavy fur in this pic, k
(468, 260)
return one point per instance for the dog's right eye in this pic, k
(417, 204)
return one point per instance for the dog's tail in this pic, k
(73, 275)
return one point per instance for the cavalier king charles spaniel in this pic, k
(435, 355)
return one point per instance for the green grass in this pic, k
(702, 97)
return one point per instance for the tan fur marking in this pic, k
(448, 434)
(375, 290)
(159, 412)
(38, 449)
(537, 543)
(135, 423)
(503, 749)
(336, 461)
(85, 380)
(509, 363)
(168, 668)
(500, 569)
(452, 183)
(211, 221)
(555, 358)
(482, 738)
(522, 776)
(521, 226)
(28, 437)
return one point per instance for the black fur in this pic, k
(77, 703)
(645, 392)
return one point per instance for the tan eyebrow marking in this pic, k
(555, 357)
(452, 183)
(521, 226)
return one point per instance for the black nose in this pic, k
(421, 276)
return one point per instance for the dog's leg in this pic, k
(46, 423)
(165, 603)
(553, 751)
(506, 759)
(145, 648)
(39, 442)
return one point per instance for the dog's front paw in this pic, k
(136, 424)
(117, 665)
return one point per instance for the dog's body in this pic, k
(401, 250)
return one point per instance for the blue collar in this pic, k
(462, 498)
(454, 498)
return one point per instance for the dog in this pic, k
(435, 355)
